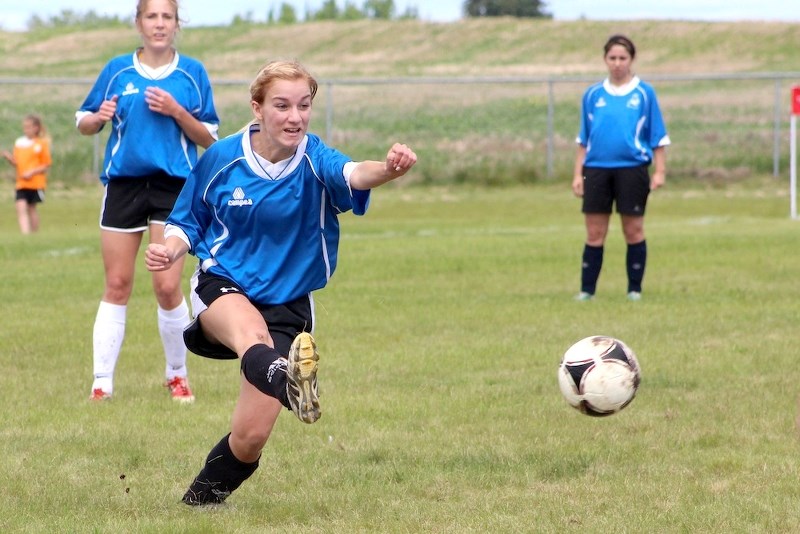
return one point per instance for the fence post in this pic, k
(776, 135)
(550, 127)
(329, 113)
(793, 152)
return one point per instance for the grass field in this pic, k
(440, 336)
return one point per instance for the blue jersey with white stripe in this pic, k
(143, 142)
(620, 127)
(272, 229)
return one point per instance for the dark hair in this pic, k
(621, 40)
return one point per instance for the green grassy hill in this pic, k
(413, 48)
(465, 131)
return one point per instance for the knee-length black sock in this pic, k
(635, 261)
(220, 476)
(590, 268)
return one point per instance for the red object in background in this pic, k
(796, 100)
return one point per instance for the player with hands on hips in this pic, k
(160, 107)
(260, 212)
(622, 133)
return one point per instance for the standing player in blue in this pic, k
(260, 213)
(160, 107)
(622, 133)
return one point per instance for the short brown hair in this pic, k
(621, 40)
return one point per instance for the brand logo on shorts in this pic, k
(228, 289)
(238, 198)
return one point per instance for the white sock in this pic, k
(109, 331)
(170, 325)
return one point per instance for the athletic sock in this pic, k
(635, 261)
(590, 268)
(220, 476)
(107, 337)
(170, 325)
(265, 368)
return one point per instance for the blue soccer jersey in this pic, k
(143, 142)
(620, 126)
(273, 230)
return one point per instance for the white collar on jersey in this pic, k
(620, 90)
(157, 73)
(267, 169)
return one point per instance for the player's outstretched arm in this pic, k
(371, 174)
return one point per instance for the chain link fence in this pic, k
(483, 131)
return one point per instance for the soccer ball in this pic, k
(599, 375)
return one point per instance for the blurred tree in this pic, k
(328, 11)
(506, 8)
(379, 9)
(411, 12)
(287, 14)
(71, 19)
(352, 12)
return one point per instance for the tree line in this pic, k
(286, 13)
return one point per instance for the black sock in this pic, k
(221, 474)
(635, 261)
(264, 367)
(590, 268)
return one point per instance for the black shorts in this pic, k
(31, 196)
(628, 187)
(284, 321)
(131, 204)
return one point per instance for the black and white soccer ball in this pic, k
(599, 375)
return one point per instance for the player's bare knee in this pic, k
(247, 442)
(259, 335)
(117, 291)
(169, 296)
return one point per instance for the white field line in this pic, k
(524, 230)
(73, 251)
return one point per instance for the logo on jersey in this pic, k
(130, 89)
(635, 101)
(238, 198)
(601, 103)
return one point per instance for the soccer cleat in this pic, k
(179, 389)
(99, 395)
(583, 296)
(202, 493)
(301, 378)
(634, 296)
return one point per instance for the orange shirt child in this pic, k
(31, 153)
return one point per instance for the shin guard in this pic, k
(265, 368)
